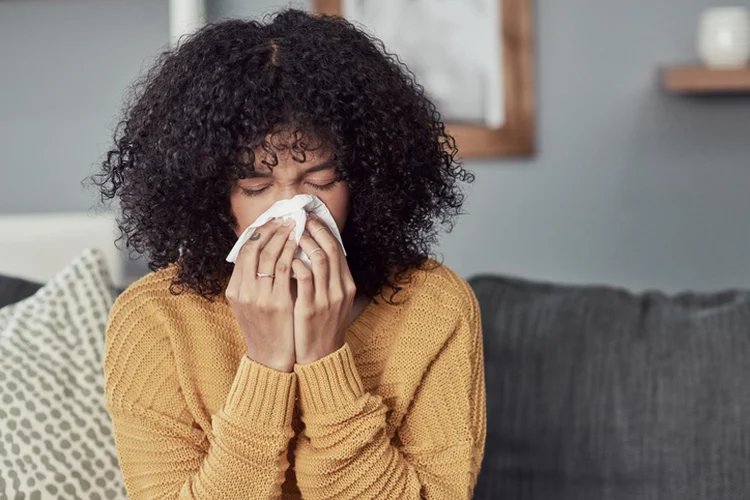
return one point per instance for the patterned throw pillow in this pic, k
(56, 437)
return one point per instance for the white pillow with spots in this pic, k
(56, 437)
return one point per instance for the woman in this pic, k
(362, 377)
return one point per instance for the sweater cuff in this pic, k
(262, 395)
(329, 383)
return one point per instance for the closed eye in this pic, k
(319, 187)
(253, 192)
(323, 187)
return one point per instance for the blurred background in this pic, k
(630, 185)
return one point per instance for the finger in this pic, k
(320, 266)
(269, 256)
(271, 251)
(284, 266)
(235, 280)
(347, 280)
(323, 237)
(248, 256)
(244, 277)
(305, 286)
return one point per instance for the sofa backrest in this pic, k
(597, 393)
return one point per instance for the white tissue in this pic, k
(295, 208)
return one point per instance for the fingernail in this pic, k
(276, 220)
(289, 222)
(291, 235)
(313, 216)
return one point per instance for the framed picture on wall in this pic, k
(473, 57)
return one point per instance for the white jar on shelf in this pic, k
(724, 37)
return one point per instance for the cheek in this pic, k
(337, 202)
(245, 210)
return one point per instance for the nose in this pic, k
(288, 191)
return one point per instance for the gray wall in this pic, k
(64, 65)
(630, 186)
(219, 9)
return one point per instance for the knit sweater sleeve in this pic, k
(344, 451)
(162, 452)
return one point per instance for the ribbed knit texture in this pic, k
(398, 412)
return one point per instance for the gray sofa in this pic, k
(14, 289)
(594, 393)
(597, 394)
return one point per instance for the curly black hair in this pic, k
(224, 90)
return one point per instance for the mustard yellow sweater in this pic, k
(397, 413)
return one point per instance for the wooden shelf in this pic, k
(702, 80)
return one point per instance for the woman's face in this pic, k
(252, 196)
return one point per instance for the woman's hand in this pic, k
(263, 305)
(324, 295)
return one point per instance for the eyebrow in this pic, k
(326, 165)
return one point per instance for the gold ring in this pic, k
(310, 254)
(264, 275)
(318, 230)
